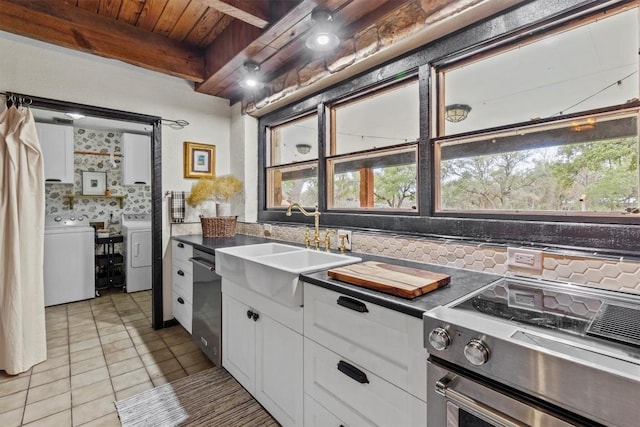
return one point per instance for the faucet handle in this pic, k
(327, 239)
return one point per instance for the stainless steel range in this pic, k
(524, 352)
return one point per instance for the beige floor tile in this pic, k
(106, 339)
(61, 419)
(140, 330)
(117, 345)
(11, 418)
(53, 326)
(56, 309)
(169, 377)
(58, 351)
(152, 346)
(89, 377)
(13, 386)
(176, 330)
(6, 377)
(13, 401)
(87, 365)
(138, 324)
(199, 367)
(83, 336)
(163, 368)
(112, 330)
(86, 354)
(184, 348)
(51, 363)
(49, 376)
(157, 357)
(91, 392)
(120, 355)
(48, 390)
(83, 345)
(131, 317)
(60, 333)
(191, 359)
(129, 379)
(81, 319)
(132, 391)
(77, 329)
(125, 366)
(91, 410)
(57, 342)
(44, 408)
(149, 337)
(109, 420)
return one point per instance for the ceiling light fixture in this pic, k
(251, 78)
(75, 116)
(303, 148)
(322, 36)
(456, 112)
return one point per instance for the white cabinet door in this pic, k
(239, 342)
(56, 142)
(279, 381)
(136, 160)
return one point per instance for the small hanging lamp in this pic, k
(456, 112)
(322, 36)
(252, 79)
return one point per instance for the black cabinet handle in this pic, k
(181, 245)
(53, 180)
(352, 372)
(180, 273)
(249, 314)
(139, 182)
(256, 316)
(352, 304)
(180, 300)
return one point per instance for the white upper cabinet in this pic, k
(56, 142)
(136, 161)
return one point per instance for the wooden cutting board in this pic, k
(405, 282)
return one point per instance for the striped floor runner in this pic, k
(208, 398)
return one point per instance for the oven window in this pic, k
(465, 419)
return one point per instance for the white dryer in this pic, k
(136, 229)
(69, 263)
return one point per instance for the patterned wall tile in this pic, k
(98, 209)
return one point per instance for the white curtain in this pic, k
(22, 321)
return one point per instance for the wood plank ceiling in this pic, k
(204, 41)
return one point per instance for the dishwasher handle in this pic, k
(203, 263)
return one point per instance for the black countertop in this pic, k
(462, 281)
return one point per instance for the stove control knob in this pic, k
(439, 339)
(476, 352)
(57, 219)
(72, 218)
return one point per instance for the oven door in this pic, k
(454, 400)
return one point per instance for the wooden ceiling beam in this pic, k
(251, 12)
(72, 27)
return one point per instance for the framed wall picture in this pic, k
(199, 160)
(94, 183)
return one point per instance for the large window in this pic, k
(583, 165)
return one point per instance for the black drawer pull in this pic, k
(249, 314)
(181, 245)
(180, 273)
(352, 372)
(353, 304)
(180, 300)
(255, 316)
(139, 182)
(53, 180)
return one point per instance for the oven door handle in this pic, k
(472, 405)
(203, 263)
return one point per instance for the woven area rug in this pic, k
(208, 398)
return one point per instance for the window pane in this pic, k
(292, 184)
(584, 68)
(586, 166)
(295, 141)
(390, 117)
(376, 180)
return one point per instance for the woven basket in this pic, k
(220, 226)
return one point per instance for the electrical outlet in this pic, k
(347, 240)
(524, 258)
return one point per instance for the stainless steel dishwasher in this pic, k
(207, 306)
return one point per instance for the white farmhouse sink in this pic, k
(272, 269)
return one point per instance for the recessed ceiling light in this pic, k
(75, 116)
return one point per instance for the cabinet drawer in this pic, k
(384, 341)
(356, 395)
(183, 282)
(182, 311)
(315, 415)
(181, 252)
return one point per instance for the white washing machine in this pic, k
(69, 263)
(136, 229)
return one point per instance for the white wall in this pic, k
(48, 71)
(244, 161)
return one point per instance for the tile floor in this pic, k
(99, 351)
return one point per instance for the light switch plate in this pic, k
(524, 258)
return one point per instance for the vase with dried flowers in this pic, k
(219, 190)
